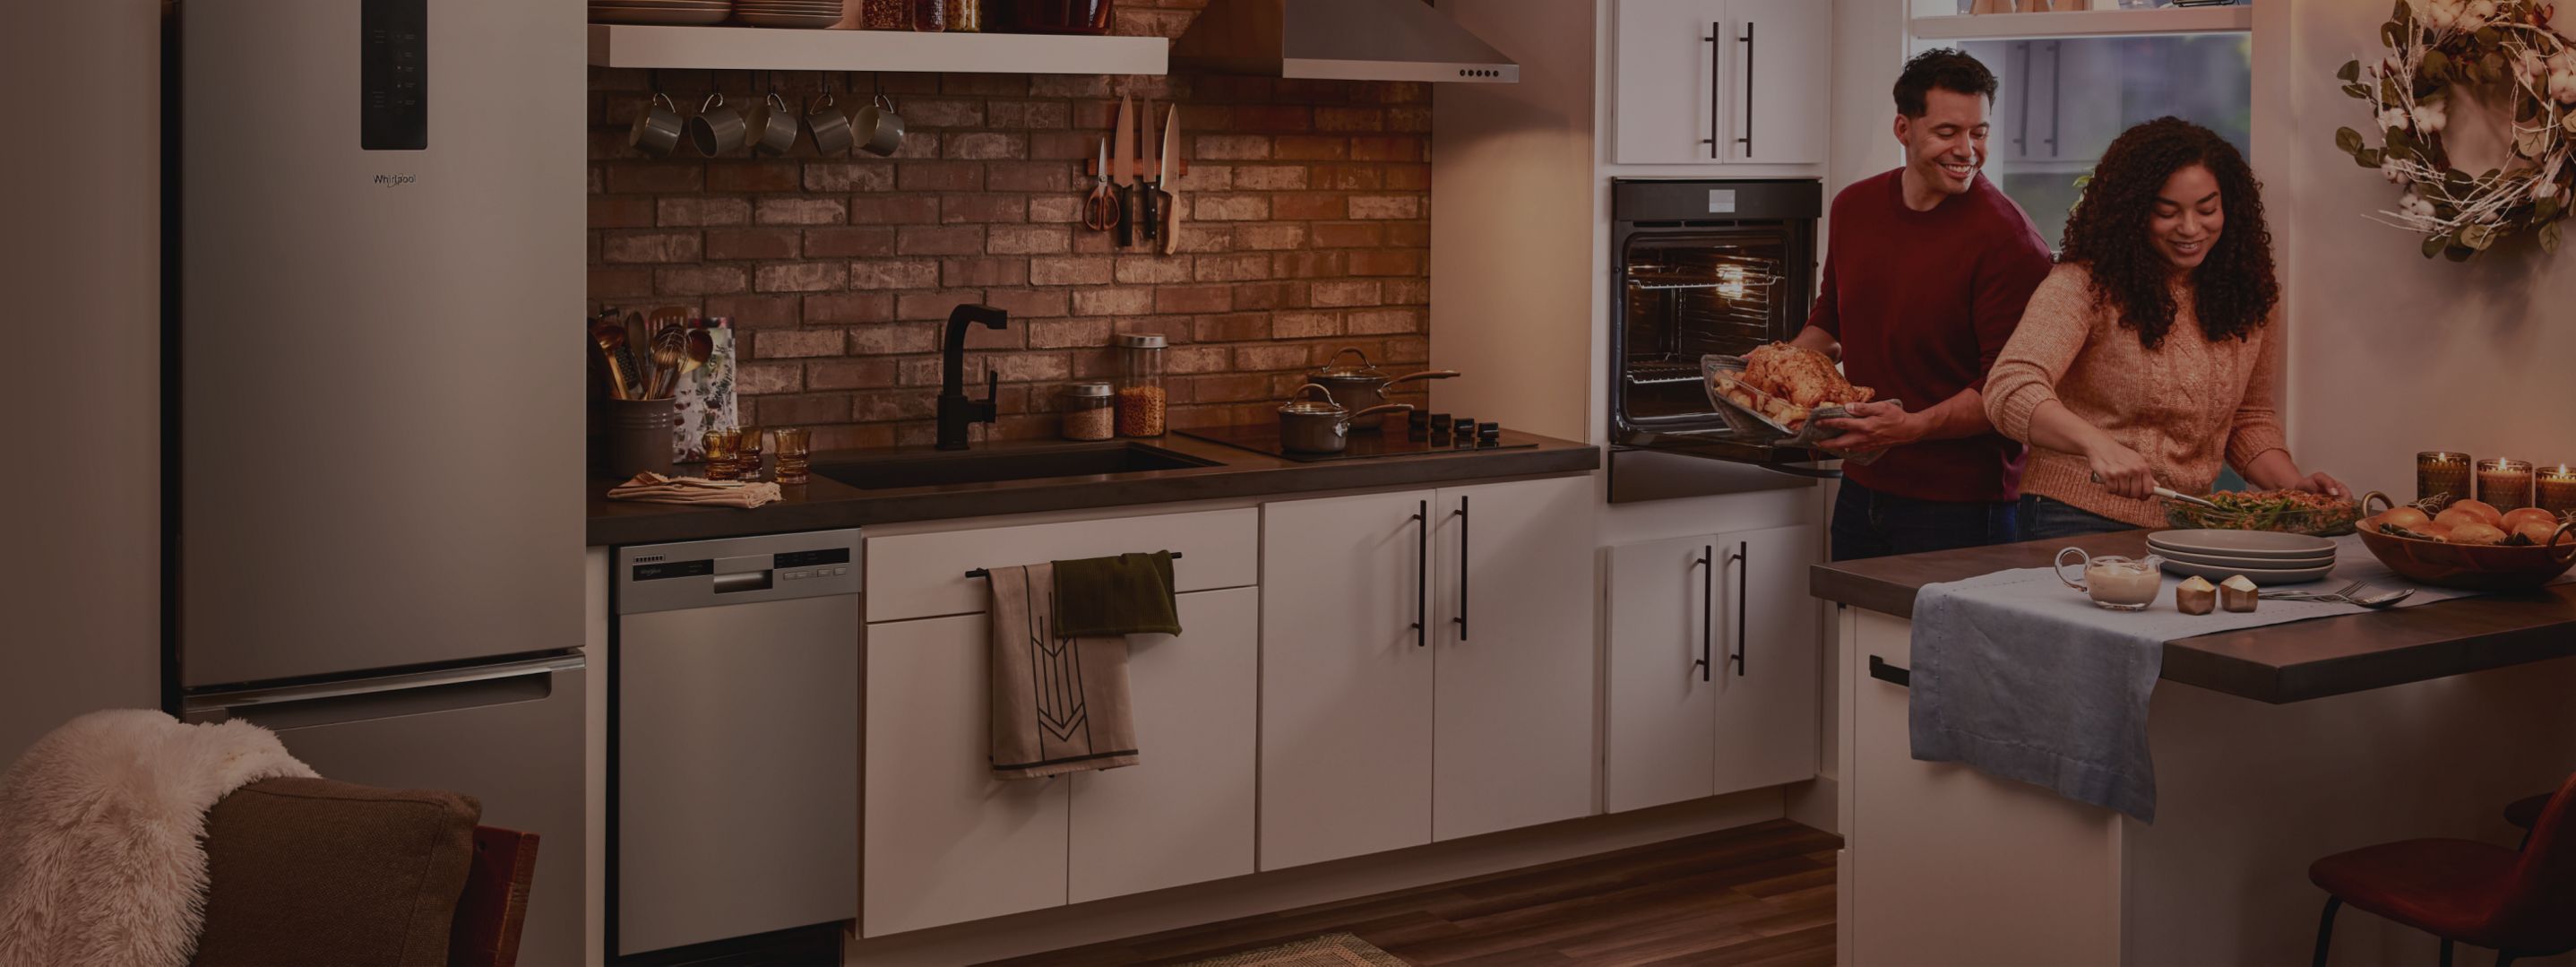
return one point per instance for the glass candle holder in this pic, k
(2441, 479)
(720, 454)
(746, 452)
(2505, 484)
(794, 448)
(2554, 489)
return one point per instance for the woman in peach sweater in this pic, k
(2149, 353)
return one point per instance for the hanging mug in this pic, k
(657, 129)
(773, 127)
(831, 128)
(717, 128)
(877, 129)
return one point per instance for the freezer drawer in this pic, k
(509, 735)
(737, 770)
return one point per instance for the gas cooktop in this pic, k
(1392, 441)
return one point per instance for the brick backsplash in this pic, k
(1305, 231)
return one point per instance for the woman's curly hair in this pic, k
(2233, 289)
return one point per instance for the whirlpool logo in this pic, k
(396, 180)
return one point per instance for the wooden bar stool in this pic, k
(2516, 902)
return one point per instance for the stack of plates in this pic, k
(2264, 558)
(672, 13)
(787, 13)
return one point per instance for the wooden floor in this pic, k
(1761, 894)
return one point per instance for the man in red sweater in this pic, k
(1925, 276)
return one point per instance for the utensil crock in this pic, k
(639, 436)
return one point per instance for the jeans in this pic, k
(2043, 519)
(1872, 524)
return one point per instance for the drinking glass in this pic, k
(794, 449)
(720, 454)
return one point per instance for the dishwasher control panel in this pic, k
(739, 570)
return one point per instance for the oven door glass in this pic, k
(1687, 294)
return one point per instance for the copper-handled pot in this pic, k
(1363, 387)
(1321, 426)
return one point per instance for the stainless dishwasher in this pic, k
(735, 716)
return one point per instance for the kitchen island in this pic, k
(2273, 746)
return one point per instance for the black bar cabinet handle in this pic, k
(1462, 568)
(1743, 568)
(1892, 674)
(2056, 88)
(1707, 607)
(2021, 138)
(1716, 34)
(1422, 574)
(1747, 139)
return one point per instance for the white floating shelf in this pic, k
(761, 48)
(2086, 23)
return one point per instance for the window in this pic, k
(2063, 100)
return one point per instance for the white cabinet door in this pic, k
(1513, 594)
(947, 842)
(1766, 671)
(1345, 678)
(1183, 813)
(1779, 78)
(1661, 745)
(1665, 104)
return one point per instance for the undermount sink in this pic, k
(935, 468)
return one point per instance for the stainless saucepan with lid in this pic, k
(1363, 386)
(1322, 426)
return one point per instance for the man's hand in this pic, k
(1873, 426)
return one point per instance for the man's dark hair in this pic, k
(1947, 68)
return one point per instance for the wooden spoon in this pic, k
(610, 339)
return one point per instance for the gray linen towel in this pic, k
(2025, 679)
(1059, 704)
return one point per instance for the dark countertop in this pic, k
(2276, 663)
(827, 504)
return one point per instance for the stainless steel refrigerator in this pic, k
(375, 415)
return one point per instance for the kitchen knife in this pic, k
(1148, 225)
(1164, 186)
(1121, 157)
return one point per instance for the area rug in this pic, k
(1329, 950)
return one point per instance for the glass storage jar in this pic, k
(1142, 401)
(966, 16)
(929, 16)
(1090, 411)
(885, 14)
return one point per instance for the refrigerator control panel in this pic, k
(393, 70)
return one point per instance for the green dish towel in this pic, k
(1130, 594)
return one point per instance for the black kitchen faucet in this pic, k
(956, 412)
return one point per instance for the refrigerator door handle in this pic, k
(460, 687)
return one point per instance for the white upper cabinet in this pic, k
(1720, 81)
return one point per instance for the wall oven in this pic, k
(1700, 267)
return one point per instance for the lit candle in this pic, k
(2505, 484)
(2557, 488)
(2441, 478)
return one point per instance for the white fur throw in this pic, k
(101, 822)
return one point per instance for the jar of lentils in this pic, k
(1090, 411)
(1142, 401)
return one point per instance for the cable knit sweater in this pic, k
(2185, 406)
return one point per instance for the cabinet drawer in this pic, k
(923, 575)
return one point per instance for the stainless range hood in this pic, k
(1350, 40)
